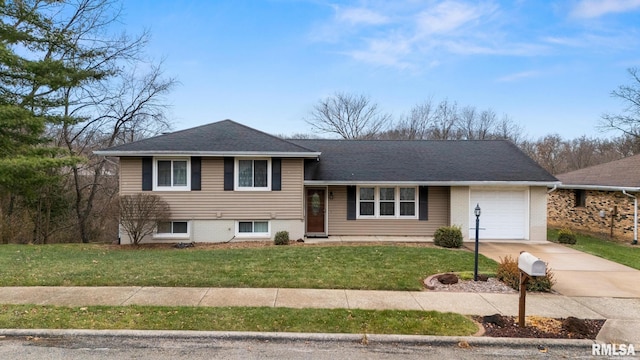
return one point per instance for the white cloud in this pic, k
(408, 33)
(596, 8)
(449, 16)
(357, 16)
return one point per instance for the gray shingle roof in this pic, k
(354, 160)
(421, 161)
(223, 137)
(620, 173)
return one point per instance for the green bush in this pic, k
(448, 236)
(282, 238)
(509, 274)
(566, 236)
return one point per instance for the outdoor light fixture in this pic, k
(330, 195)
(476, 212)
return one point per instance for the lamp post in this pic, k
(476, 212)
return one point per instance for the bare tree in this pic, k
(626, 145)
(121, 105)
(507, 129)
(141, 213)
(629, 121)
(416, 124)
(474, 125)
(549, 152)
(129, 109)
(445, 126)
(349, 116)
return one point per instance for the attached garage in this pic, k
(504, 213)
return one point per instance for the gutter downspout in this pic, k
(635, 217)
(555, 187)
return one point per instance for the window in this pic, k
(387, 202)
(581, 198)
(253, 229)
(253, 174)
(367, 201)
(173, 229)
(172, 174)
(407, 201)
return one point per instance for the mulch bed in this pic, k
(537, 327)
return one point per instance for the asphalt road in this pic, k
(161, 348)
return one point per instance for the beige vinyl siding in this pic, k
(212, 202)
(130, 175)
(339, 225)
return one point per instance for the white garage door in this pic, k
(504, 214)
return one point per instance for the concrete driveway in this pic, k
(576, 273)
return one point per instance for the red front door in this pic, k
(315, 211)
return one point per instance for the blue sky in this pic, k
(549, 65)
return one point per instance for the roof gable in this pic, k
(619, 173)
(422, 161)
(223, 137)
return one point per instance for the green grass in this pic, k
(622, 253)
(322, 267)
(237, 319)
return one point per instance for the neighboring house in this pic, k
(225, 180)
(600, 199)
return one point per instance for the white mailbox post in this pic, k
(530, 266)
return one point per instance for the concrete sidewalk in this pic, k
(622, 314)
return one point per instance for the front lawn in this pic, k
(379, 267)
(622, 253)
(236, 319)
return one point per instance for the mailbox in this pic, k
(531, 265)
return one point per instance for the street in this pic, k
(160, 348)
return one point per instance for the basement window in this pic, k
(172, 229)
(580, 198)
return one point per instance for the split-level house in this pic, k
(226, 181)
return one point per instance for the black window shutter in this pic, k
(196, 171)
(228, 173)
(423, 213)
(276, 174)
(147, 174)
(351, 202)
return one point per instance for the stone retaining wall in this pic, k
(597, 214)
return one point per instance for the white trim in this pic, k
(173, 235)
(427, 183)
(239, 234)
(236, 175)
(171, 188)
(310, 155)
(396, 201)
(598, 187)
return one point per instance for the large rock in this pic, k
(496, 319)
(575, 325)
(448, 279)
